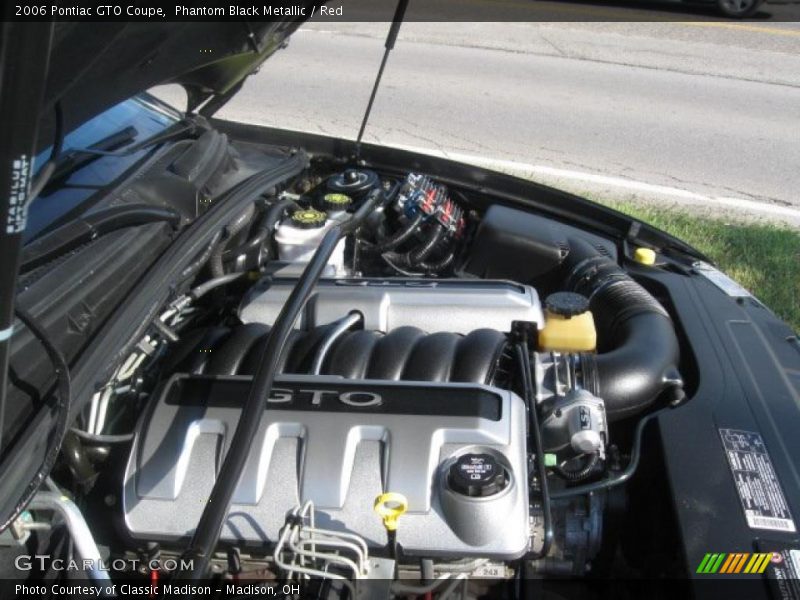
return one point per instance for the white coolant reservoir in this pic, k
(299, 235)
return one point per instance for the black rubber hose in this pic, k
(536, 433)
(80, 467)
(263, 233)
(401, 236)
(201, 290)
(415, 257)
(641, 368)
(581, 472)
(614, 296)
(231, 230)
(216, 509)
(88, 227)
(392, 193)
(102, 438)
(439, 265)
(194, 267)
(638, 360)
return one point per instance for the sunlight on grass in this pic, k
(765, 259)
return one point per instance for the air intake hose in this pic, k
(638, 357)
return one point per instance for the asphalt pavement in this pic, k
(705, 114)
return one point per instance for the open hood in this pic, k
(93, 67)
(324, 360)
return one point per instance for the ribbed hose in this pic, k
(614, 296)
(581, 472)
(415, 257)
(233, 228)
(639, 355)
(439, 265)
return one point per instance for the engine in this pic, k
(445, 401)
(350, 419)
(341, 444)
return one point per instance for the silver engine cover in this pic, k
(454, 305)
(339, 443)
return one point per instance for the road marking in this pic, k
(743, 27)
(545, 10)
(524, 170)
(610, 181)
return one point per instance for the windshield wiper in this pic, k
(72, 160)
(116, 144)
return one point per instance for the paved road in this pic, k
(557, 10)
(700, 113)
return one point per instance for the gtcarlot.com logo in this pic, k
(27, 562)
(736, 562)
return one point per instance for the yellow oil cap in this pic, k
(569, 325)
(645, 256)
(390, 507)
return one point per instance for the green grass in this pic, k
(765, 259)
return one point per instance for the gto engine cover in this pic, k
(339, 443)
(454, 305)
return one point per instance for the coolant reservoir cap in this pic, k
(308, 218)
(567, 304)
(336, 202)
(476, 476)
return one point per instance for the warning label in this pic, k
(783, 571)
(760, 491)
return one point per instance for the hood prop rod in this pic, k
(391, 38)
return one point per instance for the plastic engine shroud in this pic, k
(339, 443)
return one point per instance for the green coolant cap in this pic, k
(336, 202)
(309, 218)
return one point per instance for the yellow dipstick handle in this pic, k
(390, 507)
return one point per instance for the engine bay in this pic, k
(459, 401)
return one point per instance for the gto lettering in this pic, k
(361, 399)
(320, 398)
(316, 396)
(279, 396)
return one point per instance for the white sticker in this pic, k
(760, 491)
(795, 555)
(776, 524)
(18, 194)
(490, 572)
(722, 281)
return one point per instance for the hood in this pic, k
(94, 66)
